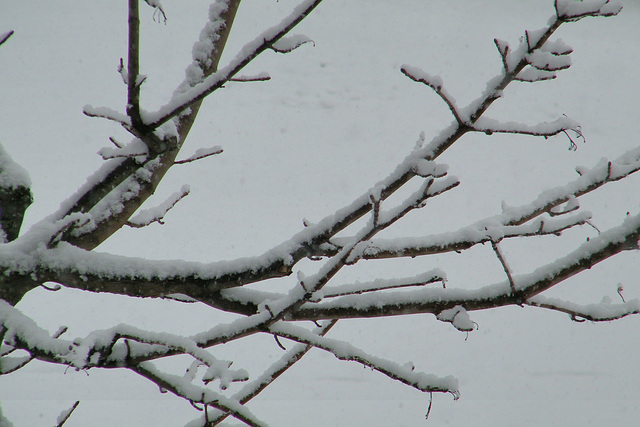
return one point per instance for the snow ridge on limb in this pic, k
(435, 300)
(345, 351)
(571, 11)
(604, 311)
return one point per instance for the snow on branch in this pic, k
(590, 179)
(435, 83)
(545, 129)
(64, 415)
(200, 153)
(604, 311)
(136, 149)
(570, 11)
(107, 113)
(291, 43)
(185, 97)
(182, 387)
(547, 61)
(156, 214)
(357, 288)
(345, 351)
(492, 229)
(435, 300)
(261, 77)
(255, 387)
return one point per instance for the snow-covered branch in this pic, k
(604, 311)
(435, 300)
(570, 11)
(201, 153)
(492, 229)
(156, 214)
(184, 388)
(255, 387)
(545, 129)
(345, 351)
(435, 83)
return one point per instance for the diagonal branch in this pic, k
(248, 53)
(345, 351)
(609, 243)
(252, 389)
(601, 312)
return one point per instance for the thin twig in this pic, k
(505, 267)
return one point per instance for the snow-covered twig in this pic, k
(345, 351)
(571, 11)
(107, 113)
(435, 83)
(200, 153)
(546, 129)
(156, 214)
(358, 288)
(266, 40)
(194, 394)
(291, 43)
(487, 230)
(604, 311)
(262, 77)
(255, 387)
(434, 300)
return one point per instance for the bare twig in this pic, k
(200, 153)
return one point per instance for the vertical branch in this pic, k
(210, 66)
(133, 86)
(505, 267)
